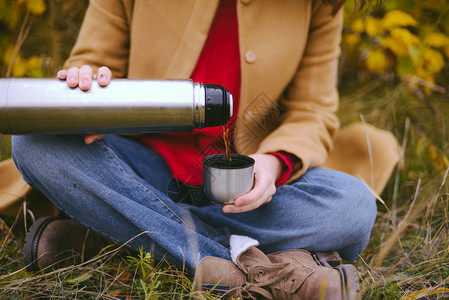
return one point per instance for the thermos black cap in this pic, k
(218, 106)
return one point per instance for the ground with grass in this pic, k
(407, 257)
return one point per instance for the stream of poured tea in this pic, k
(227, 142)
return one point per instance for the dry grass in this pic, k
(407, 257)
(113, 274)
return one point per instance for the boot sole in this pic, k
(348, 273)
(32, 241)
(350, 282)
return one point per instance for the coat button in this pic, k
(245, 2)
(250, 57)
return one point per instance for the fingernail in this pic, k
(227, 209)
(72, 78)
(102, 76)
(84, 82)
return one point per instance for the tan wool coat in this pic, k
(289, 53)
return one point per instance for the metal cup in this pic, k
(225, 180)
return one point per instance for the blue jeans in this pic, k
(120, 189)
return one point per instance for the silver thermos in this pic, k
(39, 105)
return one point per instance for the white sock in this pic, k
(240, 244)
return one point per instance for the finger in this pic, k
(251, 206)
(261, 193)
(260, 186)
(248, 198)
(268, 199)
(255, 203)
(85, 77)
(62, 74)
(104, 76)
(72, 77)
(92, 137)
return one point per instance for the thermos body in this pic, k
(31, 105)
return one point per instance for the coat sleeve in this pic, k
(311, 100)
(103, 39)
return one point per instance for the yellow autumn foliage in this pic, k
(446, 51)
(388, 43)
(397, 18)
(29, 67)
(357, 25)
(373, 26)
(376, 61)
(405, 36)
(14, 17)
(21, 66)
(351, 40)
(432, 61)
(437, 40)
(398, 49)
(8, 54)
(400, 41)
(36, 7)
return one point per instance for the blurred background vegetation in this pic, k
(36, 36)
(394, 74)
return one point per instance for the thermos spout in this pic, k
(38, 105)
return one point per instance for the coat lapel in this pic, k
(167, 37)
(193, 39)
(272, 37)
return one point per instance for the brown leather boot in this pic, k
(219, 275)
(290, 274)
(54, 243)
(319, 279)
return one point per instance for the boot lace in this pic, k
(269, 281)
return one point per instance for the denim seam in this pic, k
(101, 233)
(139, 183)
